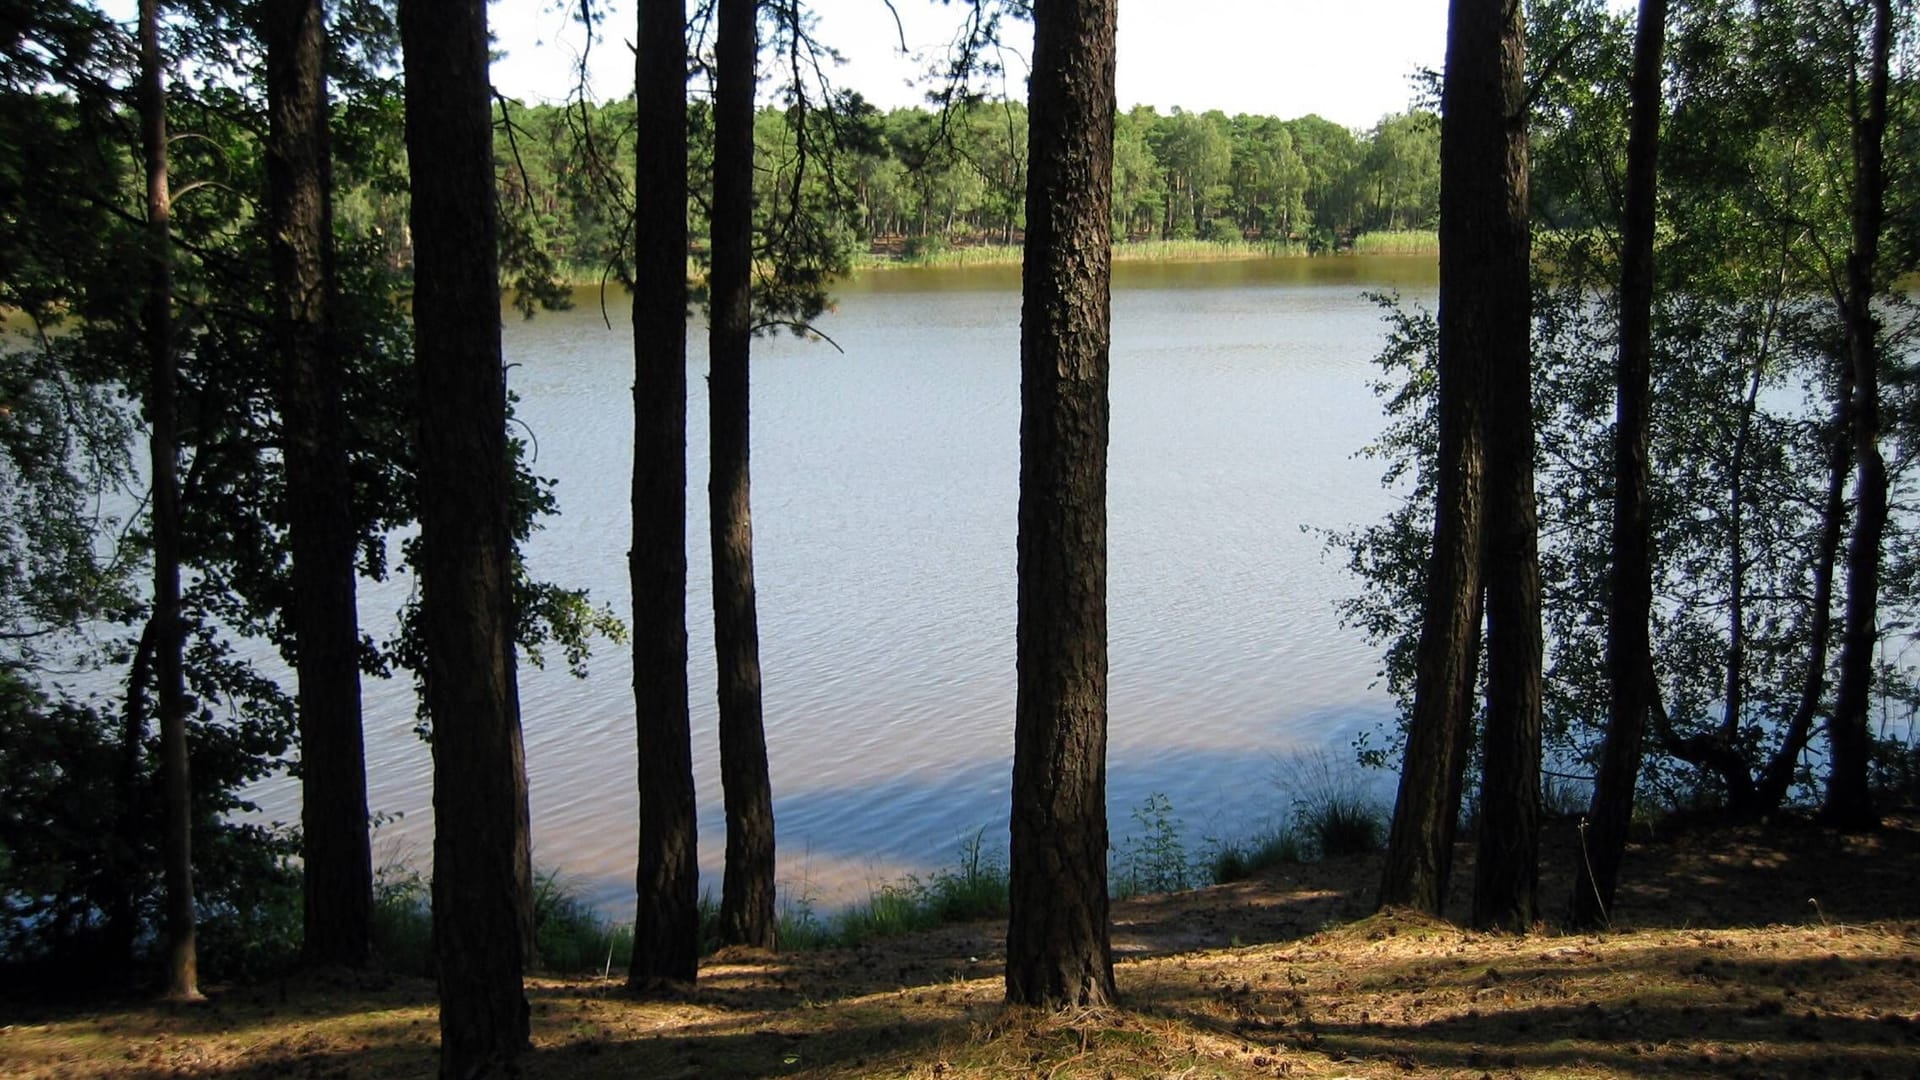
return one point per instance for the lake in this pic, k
(884, 500)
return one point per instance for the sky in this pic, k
(1351, 61)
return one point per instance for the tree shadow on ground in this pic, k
(1787, 1002)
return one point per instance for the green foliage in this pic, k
(81, 873)
(81, 876)
(834, 176)
(1756, 175)
(925, 249)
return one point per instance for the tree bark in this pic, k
(176, 784)
(1058, 949)
(666, 937)
(123, 907)
(1629, 618)
(480, 856)
(1507, 869)
(1475, 227)
(338, 878)
(1777, 779)
(1849, 803)
(746, 890)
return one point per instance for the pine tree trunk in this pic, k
(1475, 227)
(666, 936)
(1507, 869)
(338, 875)
(1629, 650)
(123, 907)
(1058, 950)
(1849, 803)
(746, 889)
(480, 856)
(1629, 655)
(176, 783)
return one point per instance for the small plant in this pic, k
(1152, 860)
(975, 889)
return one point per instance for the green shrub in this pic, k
(925, 248)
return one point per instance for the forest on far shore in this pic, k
(914, 183)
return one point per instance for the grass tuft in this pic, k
(974, 889)
(402, 929)
(1237, 860)
(1332, 813)
(572, 937)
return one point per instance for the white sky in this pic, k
(1348, 60)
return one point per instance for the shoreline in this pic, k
(1410, 244)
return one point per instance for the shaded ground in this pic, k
(1789, 952)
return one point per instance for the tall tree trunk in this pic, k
(1777, 779)
(1849, 802)
(1629, 618)
(176, 783)
(1475, 220)
(1507, 869)
(666, 936)
(338, 877)
(123, 907)
(480, 856)
(746, 890)
(1058, 950)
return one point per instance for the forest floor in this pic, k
(1780, 952)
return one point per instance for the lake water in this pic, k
(884, 498)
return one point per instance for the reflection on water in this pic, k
(884, 513)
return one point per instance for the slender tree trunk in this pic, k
(1734, 694)
(1058, 949)
(338, 877)
(746, 890)
(1849, 802)
(666, 937)
(1475, 222)
(1507, 869)
(1629, 648)
(480, 857)
(176, 784)
(123, 907)
(1778, 778)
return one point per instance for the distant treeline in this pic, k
(915, 182)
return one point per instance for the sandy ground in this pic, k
(1781, 952)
